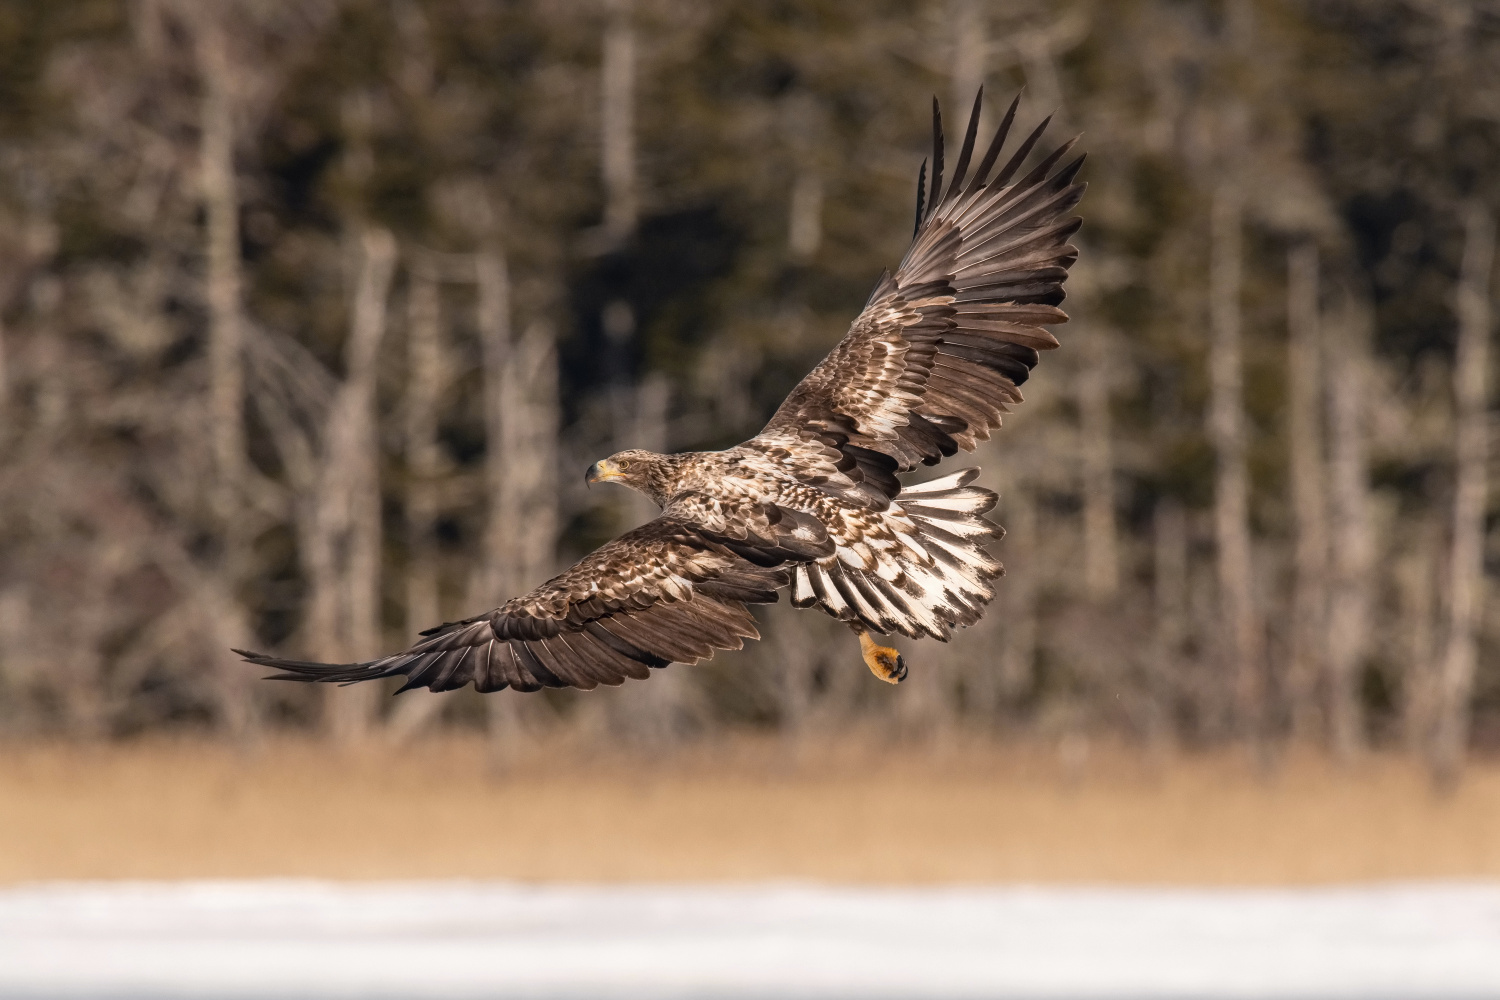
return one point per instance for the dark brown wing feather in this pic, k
(671, 591)
(942, 346)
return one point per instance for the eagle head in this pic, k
(643, 471)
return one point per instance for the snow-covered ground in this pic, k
(409, 940)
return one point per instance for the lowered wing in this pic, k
(674, 590)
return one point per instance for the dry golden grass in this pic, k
(739, 810)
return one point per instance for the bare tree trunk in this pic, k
(1305, 434)
(226, 374)
(529, 441)
(1101, 558)
(971, 51)
(364, 441)
(1039, 49)
(1232, 479)
(528, 501)
(1471, 390)
(426, 374)
(528, 504)
(225, 350)
(805, 226)
(617, 123)
(1352, 544)
(344, 564)
(1416, 575)
(495, 579)
(802, 127)
(521, 426)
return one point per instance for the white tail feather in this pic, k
(923, 582)
(963, 477)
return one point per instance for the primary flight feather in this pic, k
(812, 503)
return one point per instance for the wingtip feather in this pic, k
(996, 144)
(921, 198)
(936, 188)
(964, 155)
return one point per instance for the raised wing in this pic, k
(672, 591)
(942, 346)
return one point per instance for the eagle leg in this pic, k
(883, 661)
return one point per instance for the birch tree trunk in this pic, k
(426, 374)
(1471, 389)
(344, 564)
(527, 503)
(802, 125)
(1232, 481)
(363, 579)
(971, 51)
(495, 579)
(521, 427)
(1305, 663)
(221, 204)
(805, 224)
(226, 377)
(617, 123)
(1101, 558)
(1416, 578)
(528, 499)
(1352, 549)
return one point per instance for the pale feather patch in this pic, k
(961, 501)
(803, 594)
(974, 528)
(827, 591)
(962, 477)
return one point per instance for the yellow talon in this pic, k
(883, 661)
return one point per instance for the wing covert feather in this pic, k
(674, 590)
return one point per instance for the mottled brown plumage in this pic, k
(813, 502)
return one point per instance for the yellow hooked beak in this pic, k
(602, 471)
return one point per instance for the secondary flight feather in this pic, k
(813, 504)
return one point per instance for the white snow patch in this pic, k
(407, 940)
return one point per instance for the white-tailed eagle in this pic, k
(812, 503)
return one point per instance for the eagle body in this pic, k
(814, 504)
(914, 563)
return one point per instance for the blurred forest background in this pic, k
(314, 312)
